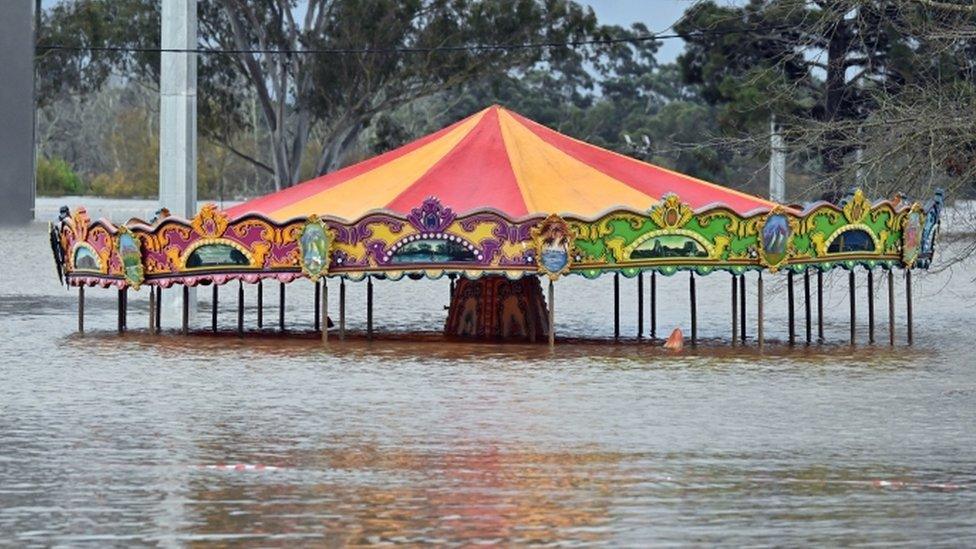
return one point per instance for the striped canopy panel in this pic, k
(495, 159)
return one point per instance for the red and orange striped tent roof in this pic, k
(495, 159)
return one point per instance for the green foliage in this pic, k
(56, 178)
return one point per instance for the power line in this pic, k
(408, 50)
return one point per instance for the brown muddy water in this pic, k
(141, 439)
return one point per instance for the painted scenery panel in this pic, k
(852, 241)
(668, 246)
(433, 251)
(85, 260)
(217, 255)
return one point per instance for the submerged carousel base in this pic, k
(498, 261)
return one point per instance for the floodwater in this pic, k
(109, 439)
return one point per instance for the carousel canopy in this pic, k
(495, 159)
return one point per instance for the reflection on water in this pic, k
(264, 440)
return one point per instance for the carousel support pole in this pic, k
(318, 296)
(742, 307)
(342, 309)
(806, 305)
(451, 290)
(213, 310)
(820, 329)
(281, 306)
(640, 305)
(694, 307)
(186, 309)
(260, 304)
(891, 306)
(369, 307)
(324, 320)
(240, 308)
(850, 284)
(120, 314)
(871, 306)
(790, 303)
(552, 316)
(653, 305)
(908, 303)
(81, 309)
(152, 310)
(616, 305)
(735, 309)
(759, 311)
(159, 309)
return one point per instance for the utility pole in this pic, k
(777, 163)
(178, 116)
(17, 113)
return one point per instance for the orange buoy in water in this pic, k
(676, 341)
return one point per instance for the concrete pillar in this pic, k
(178, 119)
(17, 113)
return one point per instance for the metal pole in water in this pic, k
(640, 305)
(552, 316)
(342, 309)
(790, 303)
(908, 302)
(325, 310)
(81, 309)
(213, 310)
(159, 309)
(742, 307)
(121, 326)
(806, 304)
(820, 328)
(186, 309)
(891, 306)
(871, 306)
(759, 311)
(653, 305)
(850, 283)
(735, 310)
(694, 307)
(318, 291)
(616, 305)
(260, 304)
(281, 306)
(240, 308)
(152, 310)
(369, 307)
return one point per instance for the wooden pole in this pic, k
(735, 310)
(694, 307)
(324, 321)
(240, 308)
(853, 298)
(640, 305)
(871, 306)
(369, 307)
(908, 302)
(653, 305)
(186, 309)
(342, 309)
(159, 309)
(742, 307)
(152, 310)
(806, 305)
(759, 311)
(891, 306)
(260, 304)
(81, 309)
(318, 294)
(213, 310)
(820, 323)
(616, 305)
(552, 316)
(281, 306)
(790, 303)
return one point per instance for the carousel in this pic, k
(504, 207)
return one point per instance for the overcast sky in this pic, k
(658, 15)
